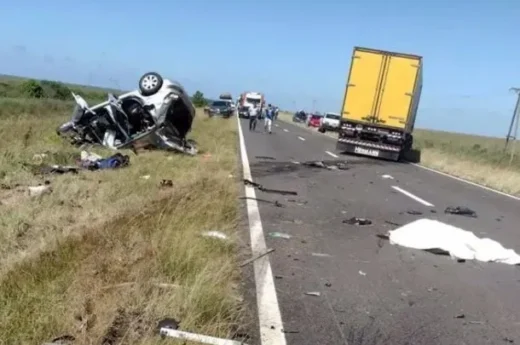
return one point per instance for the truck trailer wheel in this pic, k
(411, 156)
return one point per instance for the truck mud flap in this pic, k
(367, 151)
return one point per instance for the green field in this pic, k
(107, 254)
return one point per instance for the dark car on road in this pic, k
(300, 116)
(223, 108)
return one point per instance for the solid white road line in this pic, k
(410, 195)
(468, 182)
(269, 317)
(286, 130)
(302, 139)
(331, 154)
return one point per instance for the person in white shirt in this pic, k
(253, 115)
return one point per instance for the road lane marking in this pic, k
(285, 130)
(331, 154)
(467, 181)
(276, 125)
(302, 139)
(269, 316)
(410, 195)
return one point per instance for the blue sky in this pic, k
(294, 51)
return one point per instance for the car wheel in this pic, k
(321, 130)
(150, 83)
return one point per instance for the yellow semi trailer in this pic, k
(380, 103)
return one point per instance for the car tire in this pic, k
(321, 130)
(150, 83)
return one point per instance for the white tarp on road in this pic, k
(427, 234)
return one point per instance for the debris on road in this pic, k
(362, 273)
(39, 190)
(169, 323)
(461, 211)
(299, 203)
(57, 169)
(62, 340)
(444, 239)
(278, 204)
(392, 223)
(357, 221)
(267, 190)
(328, 284)
(313, 293)
(460, 316)
(414, 212)
(115, 161)
(275, 203)
(321, 255)
(166, 183)
(266, 158)
(280, 235)
(204, 339)
(387, 177)
(215, 234)
(256, 257)
(332, 166)
(290, 332)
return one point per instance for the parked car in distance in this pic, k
(220, 107)
(314, 120)
(330, 122)
(299, 116)
(243, 112)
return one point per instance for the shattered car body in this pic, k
(159, 114)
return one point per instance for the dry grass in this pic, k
(475, 158)
(63, 255)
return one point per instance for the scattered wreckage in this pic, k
(159, 114)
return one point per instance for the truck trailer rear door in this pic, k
(398, 91)
(363, 86)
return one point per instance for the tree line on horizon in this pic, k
(47, 89)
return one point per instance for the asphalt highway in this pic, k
(338, 283)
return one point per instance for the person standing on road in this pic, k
(253, 114)
(269, 115)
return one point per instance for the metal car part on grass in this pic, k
(159, 115)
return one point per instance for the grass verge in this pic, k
(109, 253)
(478, 159)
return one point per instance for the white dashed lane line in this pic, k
(285, 130)
(411, 196)
(302, 139)
(331, 154)
(276, 125)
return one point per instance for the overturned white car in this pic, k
(160, 115)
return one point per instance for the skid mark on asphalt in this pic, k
(269, 316)
(411, 196)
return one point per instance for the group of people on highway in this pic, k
(270, 113)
